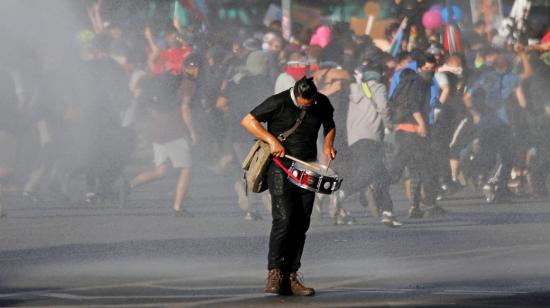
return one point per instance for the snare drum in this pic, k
(321, 180)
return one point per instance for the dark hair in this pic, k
(305, 88)
(375, 66)
(425, 58)
(193, 59)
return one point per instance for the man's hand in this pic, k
(329, 151)
(422, 131)
(276, 147)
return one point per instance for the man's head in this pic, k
(489, 55)
(426, 66)
(435, 50)
(272, 42)
(296, 66)
(305, 92)
(192, 64)
(452, 64)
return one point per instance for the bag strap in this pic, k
(285, 135)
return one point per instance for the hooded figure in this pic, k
(256, 65)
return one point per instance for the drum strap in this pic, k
(285, 169)
(282, 137)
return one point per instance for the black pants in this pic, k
(441, 136)
(495, 141)
(414, 151)
(369, 170)
(291, 211)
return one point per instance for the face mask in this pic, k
(478, 63)
(265, 46)
(296, 72)
(427, 76)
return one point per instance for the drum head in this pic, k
(316, 168)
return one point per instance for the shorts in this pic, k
(178, 151)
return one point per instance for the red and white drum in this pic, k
(314, 177)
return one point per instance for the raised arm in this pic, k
(153, 48)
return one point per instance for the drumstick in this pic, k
(329, 162)
(303, 163)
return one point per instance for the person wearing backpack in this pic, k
(410, 106)
(367, 118)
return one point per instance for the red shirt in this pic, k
(171, 60)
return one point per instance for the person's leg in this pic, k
(3, 174)
(1, 199)
(402, 156)
(181, 188)
(281, 208)
(299, 221)
(461, 138)
(349, 168)
(150, 175)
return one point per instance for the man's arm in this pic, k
(328, 148)
(445, 90)
(153, 51)
(255, 128)
(422, 131)
(520, 95)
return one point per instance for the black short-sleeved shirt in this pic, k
(168, 124)
(280, 114)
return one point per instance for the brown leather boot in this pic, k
(298, 288)
(273, 281)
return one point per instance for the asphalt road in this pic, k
(65, 253)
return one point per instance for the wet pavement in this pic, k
(56, 252)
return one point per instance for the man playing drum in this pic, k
(291, 205)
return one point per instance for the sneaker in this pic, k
(389, 220)
(32, 197)
(297, 286)
(91, 198)
(344, 220)
(248, 216)
(415, 212)
(252, 216)
(273, 281)
(489, 192)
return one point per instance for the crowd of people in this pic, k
(436, 118)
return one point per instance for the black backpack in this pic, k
(399, 100)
